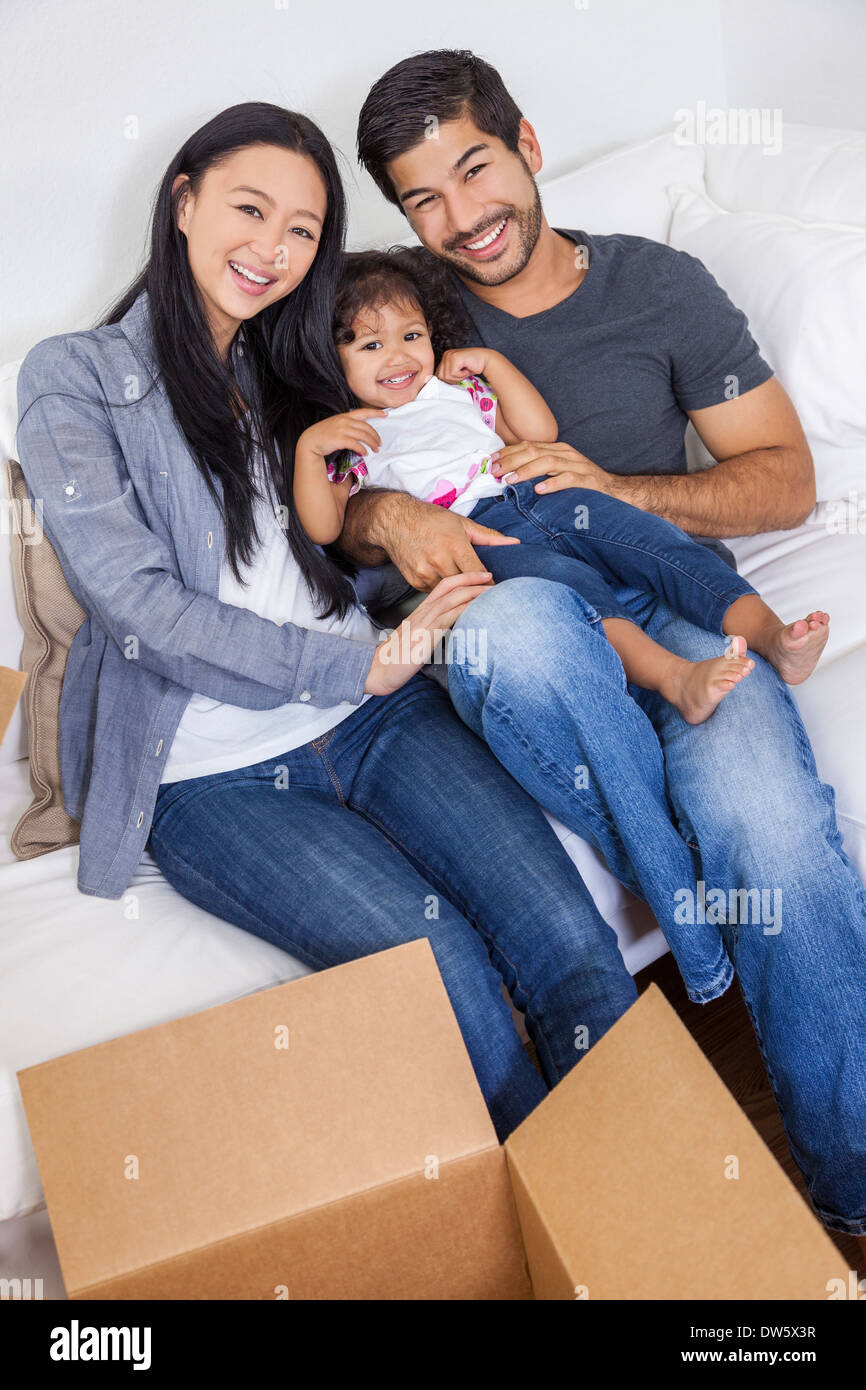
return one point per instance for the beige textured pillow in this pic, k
(50, 617)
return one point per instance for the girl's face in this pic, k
(252, 232)
(390, 357)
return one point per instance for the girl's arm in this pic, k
(523, 413)
(320, 503)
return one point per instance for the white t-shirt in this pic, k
(437, 447)
(217, 737)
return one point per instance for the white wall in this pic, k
(807, 59)
(77, 192)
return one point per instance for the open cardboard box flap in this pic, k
(327, 1139)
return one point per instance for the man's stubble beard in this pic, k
(528, 226)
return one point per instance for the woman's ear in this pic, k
(184, 203)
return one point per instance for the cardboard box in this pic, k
(11, 685)
(327, 1139)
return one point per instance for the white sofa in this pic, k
(76, 970)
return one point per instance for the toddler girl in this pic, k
(436, 429)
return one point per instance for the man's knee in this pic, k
(523, 615)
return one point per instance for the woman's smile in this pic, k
(250, 279)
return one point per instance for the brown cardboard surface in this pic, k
(11, 685)
(620, 1181)
(241, 1143)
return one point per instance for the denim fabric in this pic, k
(395, 825)
(593, 543)
(743, 792)
(140, 541)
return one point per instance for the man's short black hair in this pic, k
(445, 83)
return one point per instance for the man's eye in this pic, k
(474, 170)
(245, 207)
(424, 201)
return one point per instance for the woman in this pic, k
(225, 702)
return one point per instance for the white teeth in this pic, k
(485, 241)
(394, 380)
(242, 270)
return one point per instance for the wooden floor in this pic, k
(724, 1033)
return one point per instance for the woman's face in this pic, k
(252, 232)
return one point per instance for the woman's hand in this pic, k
(459, 363)
(559, 465)
(411, 644)
(347, 431)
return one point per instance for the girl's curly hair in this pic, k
(373, 278)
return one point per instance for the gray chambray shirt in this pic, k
(140, 541)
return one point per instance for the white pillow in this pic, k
(819, 175)
(803, 287)
(624, 191)
(14, 745)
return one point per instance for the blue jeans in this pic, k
(398, 824)
(743, 792)
(596, 544)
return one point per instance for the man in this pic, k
(627, 340)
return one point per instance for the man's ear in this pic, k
(527, 143)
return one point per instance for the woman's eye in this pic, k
(245, 207)
(303, 231)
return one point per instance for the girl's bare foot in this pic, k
(794, 649)
(697, 687)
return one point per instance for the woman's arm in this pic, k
(523, 413)
(123, 574)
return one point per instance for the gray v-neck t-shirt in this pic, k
(647, 335)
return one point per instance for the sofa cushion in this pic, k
(50, 617)
(14, 745)
(819, 175)
(624, 191)
(803, 287)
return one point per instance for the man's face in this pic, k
(471, 200)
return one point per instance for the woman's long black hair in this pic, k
(289, 346)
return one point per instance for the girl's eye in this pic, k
(411, 335)
(245, 207)
(367, 346)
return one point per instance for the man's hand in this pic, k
(557, 464)
(426, 543)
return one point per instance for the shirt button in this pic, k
(140, 818)
(159, 748)
(305, 695)
(69, 490)
(209, 539)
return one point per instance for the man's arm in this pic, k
(763, 479)
(426, 543)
